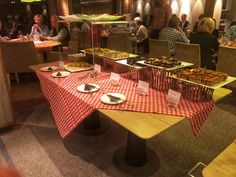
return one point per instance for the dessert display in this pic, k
(163, 62)
(203, 76)
(110, 54)
(116, 55)
(77, 66)
(97, 51)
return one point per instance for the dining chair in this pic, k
(120, 41)
(158, 48)
(227, 62)
(17, 57)
(188, 53)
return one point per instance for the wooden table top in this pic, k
(144, 125)
(223, 165)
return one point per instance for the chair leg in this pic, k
(17, 78)
(8, 81)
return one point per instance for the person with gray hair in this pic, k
(173, 33)
(184, 24)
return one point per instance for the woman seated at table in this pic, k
(208, 42)
(231, 32)
(39, 28)
(173, 33)
(59, 31)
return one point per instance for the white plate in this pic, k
(47, 70)
(63, 74)
(38, 42)
(81, 88)
(106, 99)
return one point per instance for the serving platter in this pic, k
(183, 65)
(216, 86)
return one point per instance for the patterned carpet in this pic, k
(34, 146)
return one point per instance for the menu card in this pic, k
(143, 87)
(173, 98)
(97, 68)
(115, 76)
(114, 79)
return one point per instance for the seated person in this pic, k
(208, 42)
(3, 31)
(184, 24)
(201, 16)
(231, 32)
(19, 27)
(39, 28)
(216, 31)
(59, 31)
(173, 33)
(142, 36)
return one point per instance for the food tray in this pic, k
(131, 56)
(76, 69)
(183, 65)
(216, 86)
(102, 55)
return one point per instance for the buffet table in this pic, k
(143, 116)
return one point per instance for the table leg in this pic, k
(93, 125)
(135, 158)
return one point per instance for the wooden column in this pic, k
(209, 8)
(128, 5)
(52, 7)
(63, 7)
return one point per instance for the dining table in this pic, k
(40, 46)
(143, 116)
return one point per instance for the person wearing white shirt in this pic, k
(142, 36)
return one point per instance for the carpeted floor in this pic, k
(35, 148)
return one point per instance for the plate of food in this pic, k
(60, 74)
(88, 88)
(77, 66)
(48, 68)
(113, 98)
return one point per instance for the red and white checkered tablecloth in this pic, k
(70, 107)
